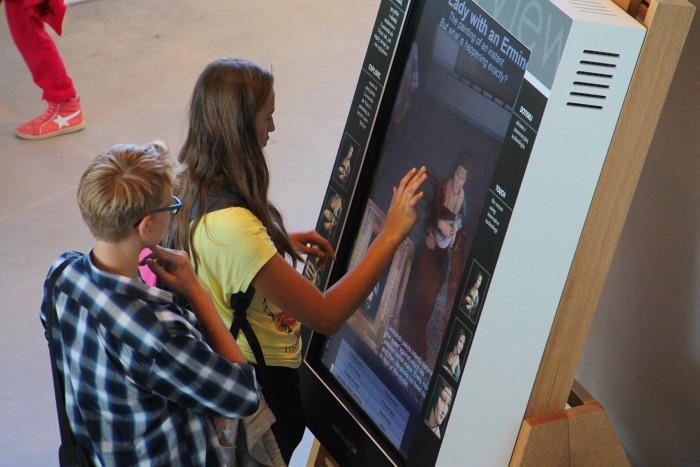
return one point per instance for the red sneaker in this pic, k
(57, 119)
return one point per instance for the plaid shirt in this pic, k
(141, 384)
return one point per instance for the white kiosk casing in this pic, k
(539, 246)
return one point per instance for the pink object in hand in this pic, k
(146, 273)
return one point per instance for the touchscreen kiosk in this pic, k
(511, 107)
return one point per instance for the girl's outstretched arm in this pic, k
(326, 312)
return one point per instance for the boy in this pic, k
(143, 377)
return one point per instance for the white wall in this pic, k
(642, 359)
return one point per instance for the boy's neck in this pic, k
(117, 258)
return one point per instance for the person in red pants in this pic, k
(63, 113)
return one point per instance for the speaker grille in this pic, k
(594, 7)
(594, 77)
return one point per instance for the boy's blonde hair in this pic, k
(122, 185)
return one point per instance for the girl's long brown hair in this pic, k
(221, 153)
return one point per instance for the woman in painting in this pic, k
(426, 277)
(344, 168)
(452, 362)
(440, 406)
(439, 257)
(471, 298)
(453, 189)
(331, 214)
(454, 199)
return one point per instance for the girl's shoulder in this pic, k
(234, 225)
(234, 216)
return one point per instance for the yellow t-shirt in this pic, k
(232, 246)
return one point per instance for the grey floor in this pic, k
(134, 63)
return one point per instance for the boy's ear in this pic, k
(144, 225)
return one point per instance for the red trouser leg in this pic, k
(40, 53)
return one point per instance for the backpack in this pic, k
(70, 452)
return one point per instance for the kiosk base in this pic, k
(577, 436)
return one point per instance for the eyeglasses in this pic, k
(173, 208)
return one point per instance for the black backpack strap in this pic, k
(70, 453)
(219, 200)
(240, 302)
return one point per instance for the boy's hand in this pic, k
(174, 269)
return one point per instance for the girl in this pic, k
(236, 238)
